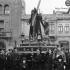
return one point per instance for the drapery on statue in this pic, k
(34, 21)
(35, 24)
(35, 28)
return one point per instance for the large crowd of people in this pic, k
(50, 60)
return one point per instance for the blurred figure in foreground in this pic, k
(59, 58)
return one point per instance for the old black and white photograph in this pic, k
(34, 34)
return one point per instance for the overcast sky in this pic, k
(46, 6)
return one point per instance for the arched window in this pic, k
(6, 9)
(1, 9)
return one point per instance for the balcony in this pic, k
(5, 34)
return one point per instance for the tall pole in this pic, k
(38, 4)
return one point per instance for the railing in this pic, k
(34, 49)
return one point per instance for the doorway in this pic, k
(64, 45)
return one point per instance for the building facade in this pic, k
(59, 30)
(10, 20)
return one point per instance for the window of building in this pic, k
(60, 28)
(1, 10)
(66, 28)
(6, 9)
(2, 28)
(1, 24)
(52, 28)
